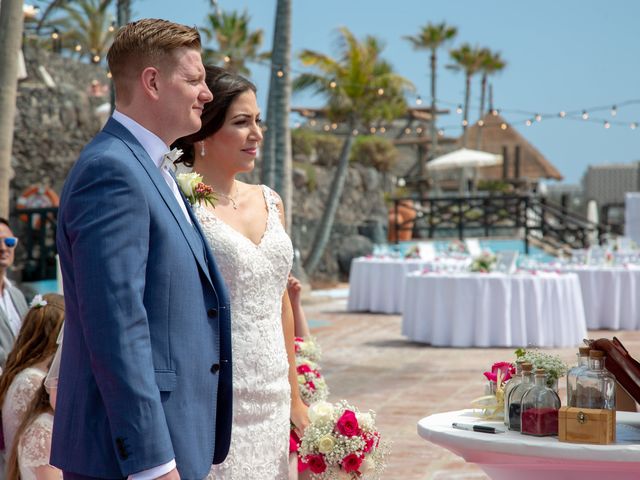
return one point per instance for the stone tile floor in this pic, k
(367, 361)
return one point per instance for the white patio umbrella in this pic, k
(464, 158)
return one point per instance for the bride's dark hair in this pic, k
(225, 87)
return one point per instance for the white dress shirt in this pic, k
(156, 149)
(6, 304)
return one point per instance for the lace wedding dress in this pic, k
(256, 277)
(17, 400)
(35, 447)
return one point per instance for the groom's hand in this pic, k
(172, 475)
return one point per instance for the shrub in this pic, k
(327, 148)
(302, 141)
(376, 152)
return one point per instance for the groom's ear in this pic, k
(149, 79)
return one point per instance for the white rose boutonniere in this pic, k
(195, 190)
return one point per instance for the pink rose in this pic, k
(369, 442)
(507, 369)
(316, 373)
(348, 424)
(351, 463)
(311, 385)
(316, 463)
(304, 368)
(297, 348)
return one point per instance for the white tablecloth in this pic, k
(611, 296)
(377, 284)
(511, 455)
(498, 310)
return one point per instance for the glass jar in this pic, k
(572, 375)
(511, 384)
(539, 408)
(515, 398)
(595, 387)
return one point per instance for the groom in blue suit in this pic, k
(145, 379)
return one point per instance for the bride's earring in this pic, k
(202, 152)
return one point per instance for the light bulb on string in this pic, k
(312, 122)
(334, 126)
(78, 47)
(419, 100)
(481, 123)
(381, 91)
(562, 114)
(419, 130)
(503, 126)
(459, 109)
(326, 128)
(465, 123)
(354, 132)
(227, 59)
(633, 125)
(607, 124)
(495, 112)
(614, 111)
(333, 84)
(538, 117)
(441, 132)
(372, 129)
(407, 131)
(585, 115)
(280, 73)
(528, 123)
(383, 129)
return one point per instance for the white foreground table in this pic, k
(377, 284)
(494, 310)
(611, 296)
(511, 455)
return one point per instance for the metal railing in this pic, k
(527, 216)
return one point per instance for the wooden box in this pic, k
(586, 425)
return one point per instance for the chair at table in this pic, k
(506, 262)
(473, 246)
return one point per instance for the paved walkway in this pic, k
(367, 362)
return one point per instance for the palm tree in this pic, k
(236, 44)
(11, 24)
(276, 152)
(467, 59)
(123, 9)
(88, 25)
(432, 37)
(361, 89)
(490, 64)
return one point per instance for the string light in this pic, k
(503, 126)
(538, 117)
(607, 124)
(78, 47)
(55, 35)
(109, 75)
(633, 125)
(494, 112)
(312, 122)
(562, 114)
(585, 115)
(407, 131)
(334, 126)
(227, 59)
(280, 73)
(441, 132)
(333, 84)
(419, 100)
(382, 129)
(528, 123)
(326, 128)
(465, 123)
(96, 59)
(354, 132)
(381, 91)
(614, 111)
(372, 129)
(481, 123)
(419, 130)
(112, 27)
(459, 109)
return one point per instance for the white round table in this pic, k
(494, 310)
(511, 455)
(377, 284)
(611, 296)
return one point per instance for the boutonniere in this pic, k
(195, 190)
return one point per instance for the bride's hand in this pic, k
(299, 416)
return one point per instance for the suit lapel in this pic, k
(191, 235)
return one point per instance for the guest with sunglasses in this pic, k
(13, 305)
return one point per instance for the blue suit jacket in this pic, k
(146, 365)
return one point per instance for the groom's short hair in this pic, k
(145, 43)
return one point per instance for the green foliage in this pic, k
(376, 152)
(328, 149)
(493, 186)
(302, 141)
(310, 171)
(236, 43)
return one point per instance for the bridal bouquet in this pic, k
(313, 388)
(307, 348)
(341, 443)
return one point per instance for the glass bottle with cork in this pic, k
(515, 399)
(539, 408)
(596, 387)
(572, 375)
(511, 384)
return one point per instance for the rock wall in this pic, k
(54, 120)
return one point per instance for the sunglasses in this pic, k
(10, 242)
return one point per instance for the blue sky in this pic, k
(562, 55)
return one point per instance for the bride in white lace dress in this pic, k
(254, 255)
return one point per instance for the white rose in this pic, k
(320, 412)
(326, 444)
(187, 183)
(365, 420)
